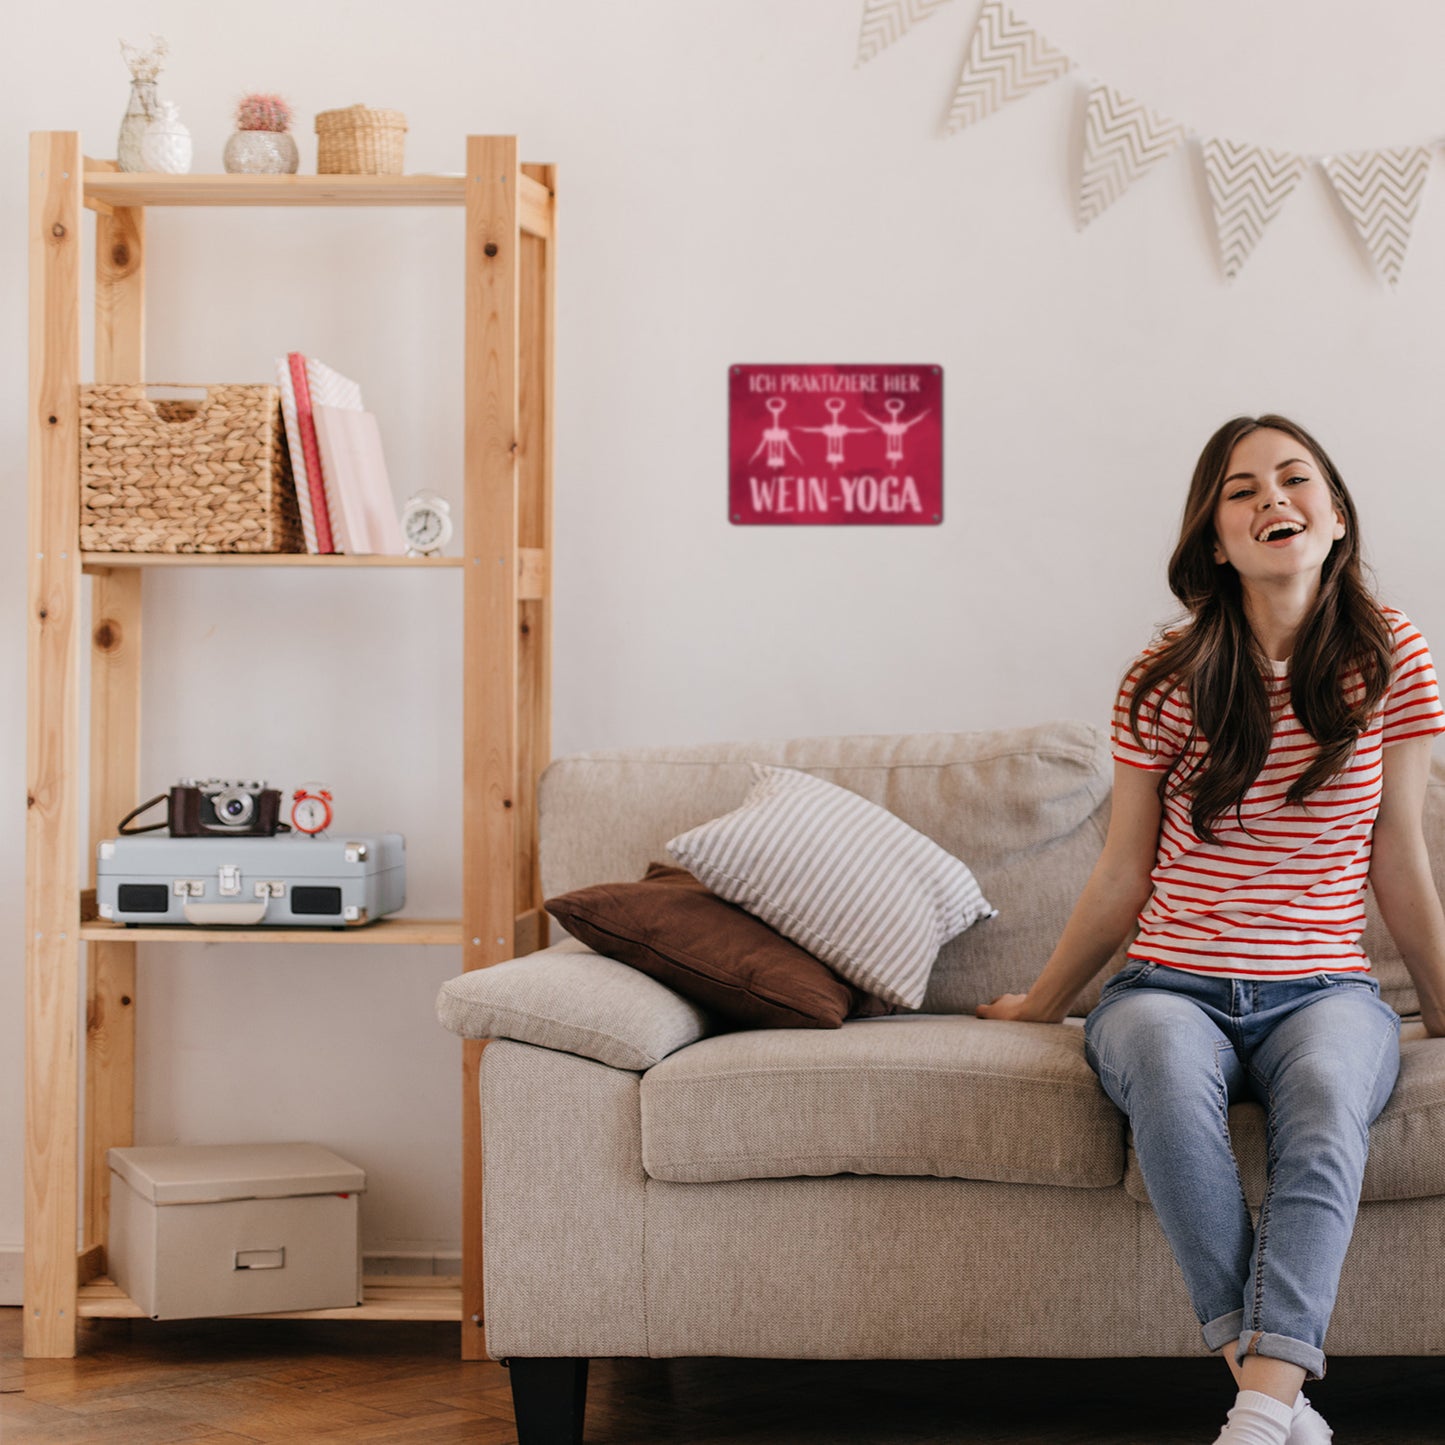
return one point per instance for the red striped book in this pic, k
(306, 425)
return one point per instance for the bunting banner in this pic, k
(1007, 58)
(1122, 140)
(885, 21)
(1381, 190)
(1248, 186)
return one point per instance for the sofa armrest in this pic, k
(575, 1001)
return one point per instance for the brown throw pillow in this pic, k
(670, 927)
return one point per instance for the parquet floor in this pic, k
(139, 1383)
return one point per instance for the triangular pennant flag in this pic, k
(1007, 58)
(885, 21)
(1122, 140)
(1248, 186)
(1381, 190)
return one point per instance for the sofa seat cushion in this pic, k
(952, 1097)
(1407, 1141)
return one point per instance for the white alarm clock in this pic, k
(426, 524)
(311, 809)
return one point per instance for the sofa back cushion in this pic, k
(1025, 808)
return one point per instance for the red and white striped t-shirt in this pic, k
(1285, 899)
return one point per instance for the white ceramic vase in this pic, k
(166, 146)
(261, 152)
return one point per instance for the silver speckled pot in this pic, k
(261, 152)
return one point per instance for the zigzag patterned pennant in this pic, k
(1122, 140)
(1007, 58)
(1381, 190)
(1248, 186)
(885, 21)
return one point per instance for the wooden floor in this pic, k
(136, 1383)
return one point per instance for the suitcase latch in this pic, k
(229, 880)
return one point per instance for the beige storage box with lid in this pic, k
(235, 1229)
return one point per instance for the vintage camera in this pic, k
(215, 806)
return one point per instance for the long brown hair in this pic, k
(1219, 663)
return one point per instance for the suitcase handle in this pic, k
(237, 913)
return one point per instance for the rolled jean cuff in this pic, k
(1223, 1331)
(1282, 1347)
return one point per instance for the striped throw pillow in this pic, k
(843, 878)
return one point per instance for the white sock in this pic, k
(1257, 1419)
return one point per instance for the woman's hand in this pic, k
(1117, 889)
(1012, 1006)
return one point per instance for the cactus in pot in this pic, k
(262, 143)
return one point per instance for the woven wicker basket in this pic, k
(359, 142)
(186, 476)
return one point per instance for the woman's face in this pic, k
(1274, 518)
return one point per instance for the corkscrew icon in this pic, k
(893, 429)
(835, 430)
(776, 437)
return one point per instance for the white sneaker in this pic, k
(1308, 1427)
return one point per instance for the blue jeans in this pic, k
(1173, 1050)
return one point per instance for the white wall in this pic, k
(733, 190)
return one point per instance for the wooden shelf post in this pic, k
(52, 891)
(489, 708)
(115, 640)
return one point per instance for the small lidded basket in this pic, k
(359, 142)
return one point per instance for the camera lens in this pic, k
(234, 807)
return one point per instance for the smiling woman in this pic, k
(1271, 758)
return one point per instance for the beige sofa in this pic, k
(918, 1186)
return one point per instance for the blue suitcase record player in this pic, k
(291, 882)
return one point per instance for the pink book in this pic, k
(306, 425)
(363, 510)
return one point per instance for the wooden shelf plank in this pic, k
(146, 188)
(104, 188)
(99, 561)
(385, 930)
(532, 566)
(386, 1297)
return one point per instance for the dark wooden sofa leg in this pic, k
(549, 1397)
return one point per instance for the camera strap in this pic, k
(145, 807)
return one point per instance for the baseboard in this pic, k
(410, 1263)
(12, 1268)
(12, 1274)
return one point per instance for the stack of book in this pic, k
(341, 482)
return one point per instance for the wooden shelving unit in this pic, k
(508, 269)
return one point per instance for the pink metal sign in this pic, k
(835, 445)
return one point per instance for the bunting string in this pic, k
(1124, 139)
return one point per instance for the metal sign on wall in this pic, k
(835, 445)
